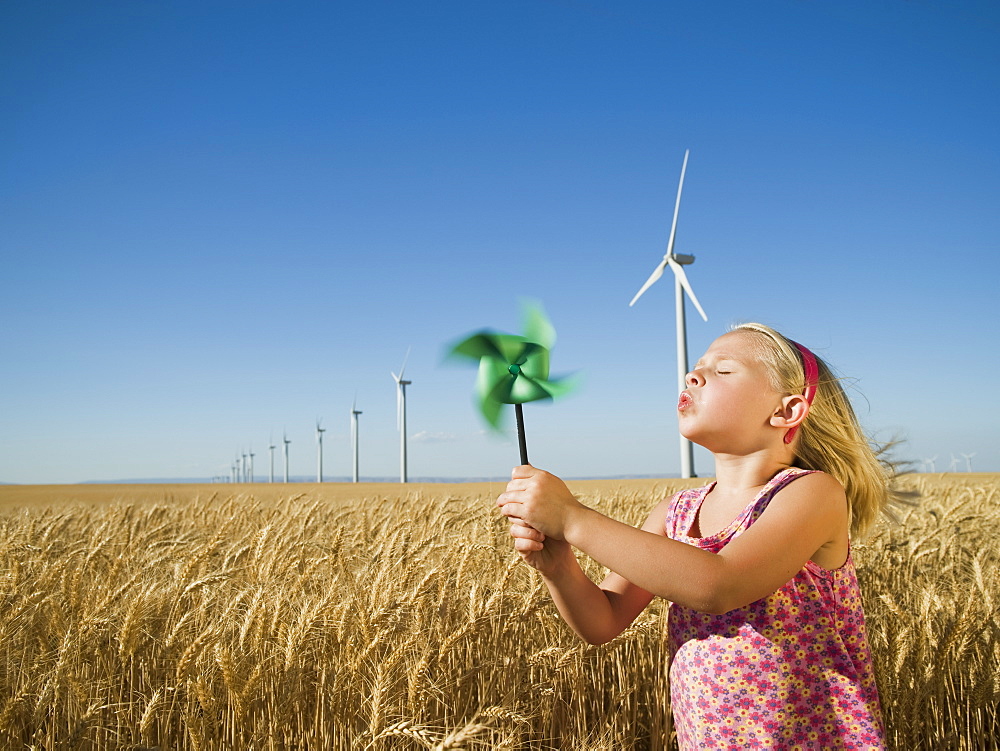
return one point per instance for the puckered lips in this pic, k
(684, 401)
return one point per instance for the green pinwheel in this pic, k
(514, 369)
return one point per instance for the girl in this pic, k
(767, 633)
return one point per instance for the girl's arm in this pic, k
(803, 517)
(597, 613)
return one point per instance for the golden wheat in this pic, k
(407, 622)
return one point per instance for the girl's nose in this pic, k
(693, 379)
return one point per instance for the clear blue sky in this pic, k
(222, 220)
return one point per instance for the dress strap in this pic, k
(775, 484)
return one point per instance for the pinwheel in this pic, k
(514, 369)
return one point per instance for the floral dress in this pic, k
(791, 670)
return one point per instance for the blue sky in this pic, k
(224, 220)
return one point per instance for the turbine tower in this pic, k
(968, 461)
(354, 435)
(930, 463)
(270, 449)
(676, 262)
(284, 439)
(401, 415)
(319, 451)
(243, 468)
(250, 468)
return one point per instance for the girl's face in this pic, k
(728, 400)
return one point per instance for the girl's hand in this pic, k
(540, 500)
(546, 555)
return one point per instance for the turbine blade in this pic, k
(682, 277)
(657, 273)
(403, 369)
(677, 205)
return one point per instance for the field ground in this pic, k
(14, 497)
(379, 617)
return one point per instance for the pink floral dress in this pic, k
(792, 670)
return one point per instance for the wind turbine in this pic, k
(251, 455)
(968, 461)
(284, 439)
(930, 463)
(354, 435)
(401, 415)
(319, 451)
(954, 463)
(243, 467)
(270, 449)
(676, 262)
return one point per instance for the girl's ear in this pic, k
(791, 412)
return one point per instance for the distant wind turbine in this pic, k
(284, 439)
(270, 449)
(954, 463)
(319, 451)
(676, 262)
(929, 463)
(243, 468)
(354, 435)
(251, 455)
(401, 415)
(968, 461)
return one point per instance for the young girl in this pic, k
(766, 627)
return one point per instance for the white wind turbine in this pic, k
(354, 435)
(968, 461)
(401, 415)
(284, 439)
(954, 463)
(243, 467)
(930, 465)
(251, 455)
(676, 262)
(319, 451)
(270, 449)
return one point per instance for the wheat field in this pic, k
(380, 617)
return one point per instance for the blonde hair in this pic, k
(831, 438)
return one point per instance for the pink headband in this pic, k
(811, 370)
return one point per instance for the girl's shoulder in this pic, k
(801, 489)
(810, 480)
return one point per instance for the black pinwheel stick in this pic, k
(522, 444)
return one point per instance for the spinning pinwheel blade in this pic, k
(514, 369)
